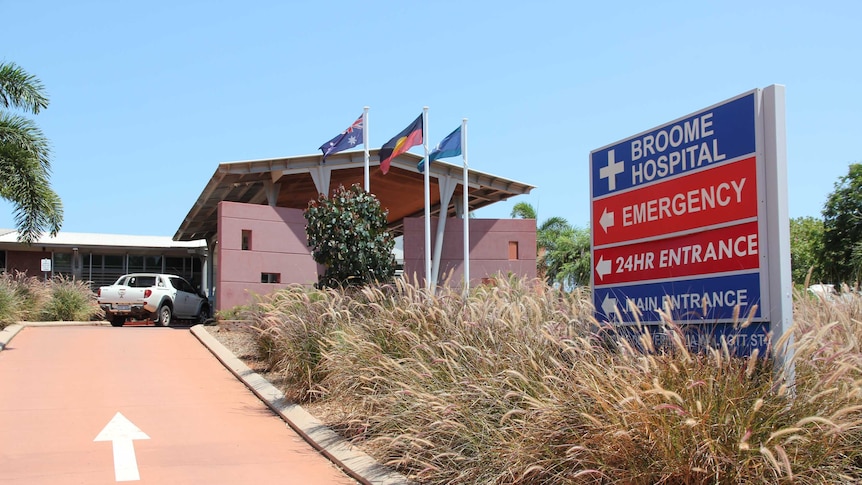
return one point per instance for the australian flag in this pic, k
(349, 138)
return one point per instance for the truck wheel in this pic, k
(163, 316)
(118, 321)
(204, 313)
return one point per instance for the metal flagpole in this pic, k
(365, 144)
(428, 284)
(466, 211)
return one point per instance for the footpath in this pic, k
(186, 420)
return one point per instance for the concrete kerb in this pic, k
(7, 333)
(354, 462)
(95, 323)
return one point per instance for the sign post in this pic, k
(689, 220)
(46, 267)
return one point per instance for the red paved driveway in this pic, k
(60, 386)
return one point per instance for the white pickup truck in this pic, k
(146, 296)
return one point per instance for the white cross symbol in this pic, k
(611, 171)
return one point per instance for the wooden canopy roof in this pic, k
(289, 181)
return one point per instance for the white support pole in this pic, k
(778, 227)
(210, 271)
(271, 190)
(321, 176)
(428, 284)
(447, 186)
(466, 210)
(365, 144)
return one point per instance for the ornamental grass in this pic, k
(28, 298)
(512, 385)
(21, 297)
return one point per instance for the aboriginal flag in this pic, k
(410, 136)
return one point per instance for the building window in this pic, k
(153, 264)
(513, 250)
(2, 261)
(63, 264)
(175, 265)
(135, 263)
(115, 263)
(246, 240)
(270, 277)
(187, 267)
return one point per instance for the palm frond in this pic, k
(555, 224)
(19, 89)
(25, 183)
(523, 210)
(21, 134)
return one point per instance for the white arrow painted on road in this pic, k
(609, 305)
(607, 220)
(121, 432)
(603, 267)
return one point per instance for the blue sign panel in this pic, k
(653, 196)
(705, 300)
(706, 138)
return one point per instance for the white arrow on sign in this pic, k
(121, 432)
(607, 220)
(609, 306)
(603, 267)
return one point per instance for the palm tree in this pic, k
(568, 261)
(25, 165)
(524, 210)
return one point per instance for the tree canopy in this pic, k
(25, 165)
(842, 228)
(806, 249)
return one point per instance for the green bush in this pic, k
(235, 313)
(348, 234)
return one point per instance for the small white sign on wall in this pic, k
(46, 265)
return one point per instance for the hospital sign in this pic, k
(679, 219)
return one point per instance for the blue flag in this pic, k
(349, 138)
(448, 147)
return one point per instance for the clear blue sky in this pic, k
(148, 97)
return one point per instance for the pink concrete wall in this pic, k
(278, 245)
(489, 248)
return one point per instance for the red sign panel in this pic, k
(721, 194)
(721, 250)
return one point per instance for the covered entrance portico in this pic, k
(290, 183)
